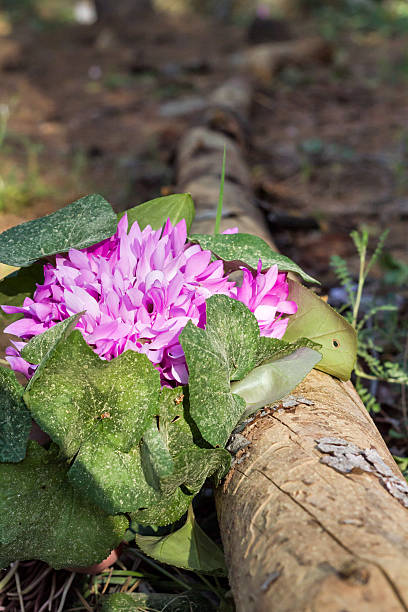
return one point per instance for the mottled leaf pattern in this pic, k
(78, 396)
(78, 225)
(113, 479)
(132, 602)
(37, 348)
(49, 519)
(246, 249)
(15, 420)
(227, 350)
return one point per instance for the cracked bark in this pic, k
(341, 540)
(299, 534)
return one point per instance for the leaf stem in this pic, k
(361, 279)
(6, 579)
(221, 196)
(211, 587)
(362, 374)
(162, 570)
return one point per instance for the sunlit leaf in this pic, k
(188, 547)
(246, 250)
(78, 225)
(155, 213)
(96, 411)
(321, 323)
(39, 347)
(270, 382)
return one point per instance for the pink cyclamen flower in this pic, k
(138, 291)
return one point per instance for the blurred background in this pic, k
(95, 96)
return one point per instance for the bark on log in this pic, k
(199, 162)
(313, 514)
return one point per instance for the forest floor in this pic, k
(91, 108)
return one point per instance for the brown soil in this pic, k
(95, 99)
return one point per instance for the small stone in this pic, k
(271, 578)
(289, 402)
(237, 442)
(304, 400)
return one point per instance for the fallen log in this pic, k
(264, 61)
(313, 514)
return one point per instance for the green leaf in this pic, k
(270, 382)
(43, 517)
(18, 285)
(228, 349)
(78, 394)
(78, 225)
(246, 250)
(131, 602)
(192, 464)
(155, 452)
(165, 511)
(37, 349)
(114, 480)
(188, 547)
(156, 212)
(98, 411)
(15, 420)
(321, 323)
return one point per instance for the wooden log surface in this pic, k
(313, 514)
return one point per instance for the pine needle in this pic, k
(65, 592)
(20, 595)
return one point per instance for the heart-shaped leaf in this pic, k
(78, 225)
(155, 213)
(228, 349)
(43, 517)
(321, 323)
(78, 395)
(15, 420)
(98, 411)
(188, 547)
(247, 250)
(136, 484)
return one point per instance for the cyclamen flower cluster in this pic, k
(138, 291)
